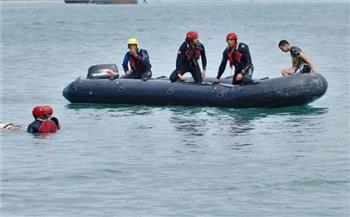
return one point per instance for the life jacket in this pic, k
(137, 67)
(234, 56)
(193, 52)
(44, 124)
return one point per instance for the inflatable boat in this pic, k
(102, 86)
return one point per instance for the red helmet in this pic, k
(48, 110)
(42, 110)
(232, 36)
(38, 111)
(190, 36)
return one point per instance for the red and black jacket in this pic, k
(44, 124)
(188, 56)
(238, 57)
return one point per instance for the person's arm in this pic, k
(55, 120)
(204, 58)
(125, 63)
(308, 61)
(30, 129)
(204, 62)
(179, 61)
(180, 57)
(247, 57)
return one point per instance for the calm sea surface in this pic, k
(110, 160)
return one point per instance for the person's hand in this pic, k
(128, 72)
(181, 77)
(216, 81)
(204, 72)
(239, 77)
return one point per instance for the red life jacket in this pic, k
(44, 124)
(193, 52)
(234, 56)
(134, 66)
(47, 126)
(132, 63)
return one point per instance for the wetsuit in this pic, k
(140, 65)
(239, 58)
(187, 61)
(300, 65)
(44, 124)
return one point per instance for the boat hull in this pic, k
(79, 1)
(300, 89)
(116, 1)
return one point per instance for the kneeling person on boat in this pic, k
(239, 57)
(44, 121)
(300, 62)
(139, 62)
(187, 59)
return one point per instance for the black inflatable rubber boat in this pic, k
(102, 86)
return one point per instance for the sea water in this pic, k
(110, 160)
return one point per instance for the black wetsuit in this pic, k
(241, 60)
(187, 61)
(300, 65)
(140, 65)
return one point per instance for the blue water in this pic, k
(172, 161)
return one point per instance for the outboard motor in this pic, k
(103, 71)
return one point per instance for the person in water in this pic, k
(44, 121)
(138, 60)
(239, 57)
(187, 59)
(300, 62)
(10, 126)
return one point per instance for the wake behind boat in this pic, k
(299, 89)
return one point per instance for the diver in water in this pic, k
(138, 60)
(44, 121)
(187, 59)
(239, 57)
(300, 62)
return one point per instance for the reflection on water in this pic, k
(190, 121)
(201, 125)
(114, 110)
(194, 123)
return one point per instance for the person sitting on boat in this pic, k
(139, 62)
(187, 59)
(300, 62)
(239, 57)
(44, 121)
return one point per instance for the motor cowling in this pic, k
(103, 71)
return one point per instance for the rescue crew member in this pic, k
(239, 57)
(138, 60)
(300, 62)
(44, 121)
(187, 59)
